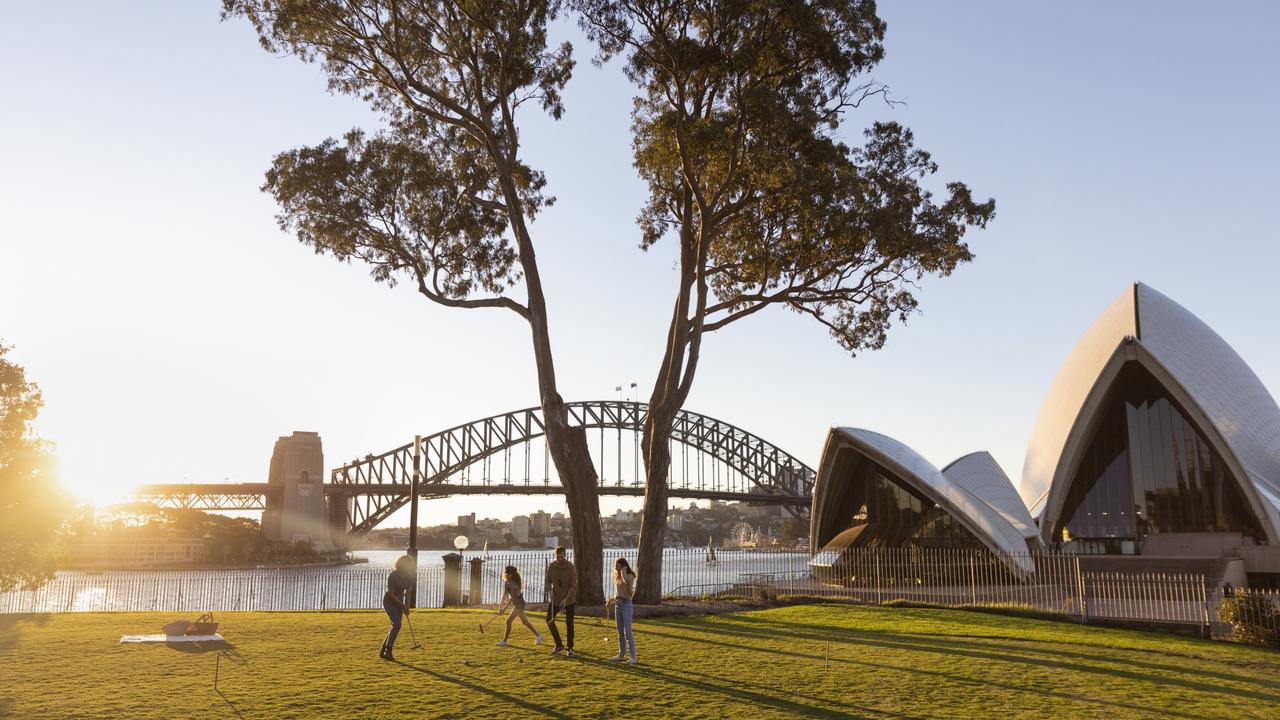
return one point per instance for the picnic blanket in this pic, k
(162, 638)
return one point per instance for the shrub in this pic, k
(1254, 619)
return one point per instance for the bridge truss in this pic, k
(710, 459)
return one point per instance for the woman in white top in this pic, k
(624, 585)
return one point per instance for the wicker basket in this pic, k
(204, 625)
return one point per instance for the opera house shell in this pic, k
(1156, 448)
(1156, 439)
(873, 491)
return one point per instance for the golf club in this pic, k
(412, 634)
(485, 624)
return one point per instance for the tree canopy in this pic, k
(440, 195)
(736, 132)
(32, 505)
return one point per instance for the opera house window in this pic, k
(1147, 469)
(882, 512)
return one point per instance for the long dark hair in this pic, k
(511, 575)
(622, 569)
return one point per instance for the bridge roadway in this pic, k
(253, 496)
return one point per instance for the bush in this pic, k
(1254, 619)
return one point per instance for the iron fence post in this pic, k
(879, 600)
(1084, 615)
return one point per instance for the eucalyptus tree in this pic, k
(440, 196)
(32, 504)
(737, 133)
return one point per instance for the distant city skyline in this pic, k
(176, 332)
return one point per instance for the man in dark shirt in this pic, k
(395, 601)
(562, 588)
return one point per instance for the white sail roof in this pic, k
(982, 476)
(988, 525)
(1195, 361)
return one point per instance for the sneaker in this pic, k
(557, 650)
(388, 656)
(632, 661)
(617, 658)
(570, 653)
(538, 639)
(501, 643)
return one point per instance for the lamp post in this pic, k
(413, 516)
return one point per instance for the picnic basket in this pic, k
(203, 625)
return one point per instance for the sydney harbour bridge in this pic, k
(506, 455)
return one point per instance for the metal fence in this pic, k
(1052, 584)
(685, 572)
(212, 590)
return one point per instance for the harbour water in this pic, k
(685, 572)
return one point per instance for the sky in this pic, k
(176, 332)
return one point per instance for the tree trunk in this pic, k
(653, 521)
(568, 446)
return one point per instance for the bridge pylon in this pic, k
(295, 505)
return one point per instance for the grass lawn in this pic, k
(883, 662)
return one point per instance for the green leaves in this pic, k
(32, 504)
(400, 207)
(734, 132)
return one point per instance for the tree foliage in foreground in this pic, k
(441, 197)
(736, 133)
(31, 504)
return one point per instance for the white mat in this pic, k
(162, 638)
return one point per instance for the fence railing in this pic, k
(211, 590)
(681, 568)
(944, 577)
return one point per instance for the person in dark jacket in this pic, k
(395, 601)
(562, 591)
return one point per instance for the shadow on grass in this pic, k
(10, 630)
(474, 687)
(199, 648)
(230, 704)
(732, 687)
(10, 626)
(981, 647)
(964, 679)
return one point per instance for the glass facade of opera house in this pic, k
(877, 510)
(1147, 469)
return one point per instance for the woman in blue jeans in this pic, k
(395, 602)
(624, 587)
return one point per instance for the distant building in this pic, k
(520, 529)
(136, 553)
(675, 521)
(539, 524)
(625, 516)
(467, 524)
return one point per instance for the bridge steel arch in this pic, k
(770, 474)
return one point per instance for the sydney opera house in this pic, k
(1155, 447)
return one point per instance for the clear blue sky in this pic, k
(176, 331)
